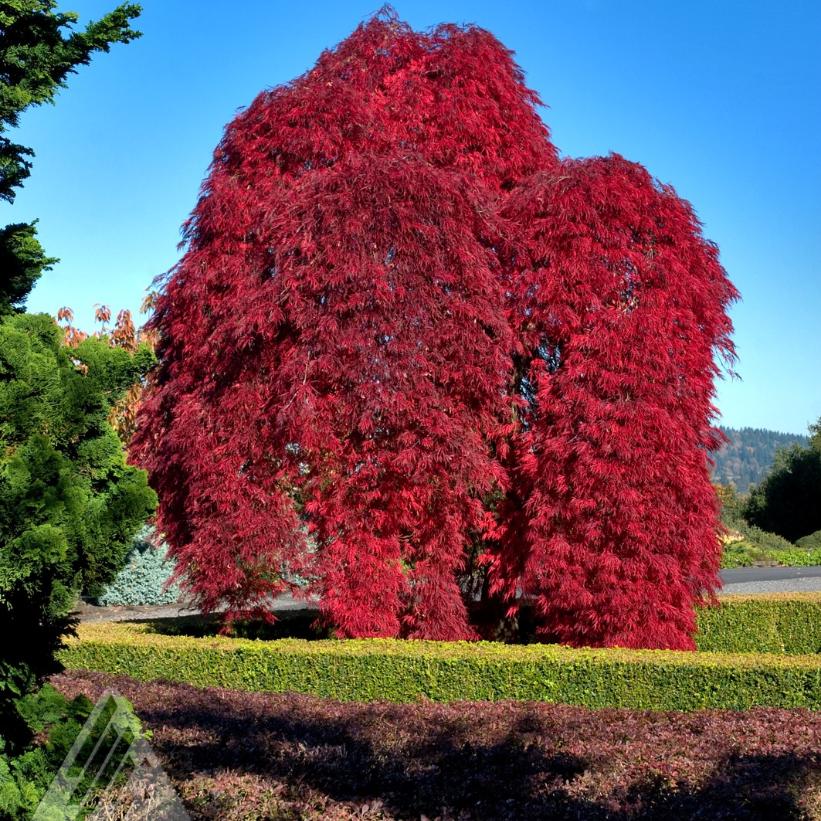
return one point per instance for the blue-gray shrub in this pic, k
(143, 579)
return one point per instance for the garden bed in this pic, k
(237, 755)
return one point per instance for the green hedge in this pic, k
(401, 671)
(777, 623)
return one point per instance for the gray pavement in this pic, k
(771, 580)
(738, 580)
(88, 612)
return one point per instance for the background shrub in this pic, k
(145, 577)
(811, 542)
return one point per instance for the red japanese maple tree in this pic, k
(612, 525)
(406, 342)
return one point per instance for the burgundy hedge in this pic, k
(238, 756)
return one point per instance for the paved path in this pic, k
(88, 612)
(771, 579)
(738, 580)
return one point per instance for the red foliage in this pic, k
(368, 271)
(238, 755)
(370, 376)
(398, 383)
(452, 95)
(624, 303)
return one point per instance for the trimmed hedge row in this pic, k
(776, 623)
(403, 671)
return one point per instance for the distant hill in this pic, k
(748, 456)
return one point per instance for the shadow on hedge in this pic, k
(300, 624)
(305, 623)
(449, 773)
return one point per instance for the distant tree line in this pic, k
(749, 455)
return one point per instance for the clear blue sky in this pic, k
(721, 99)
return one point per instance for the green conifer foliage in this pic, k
(69, 503)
